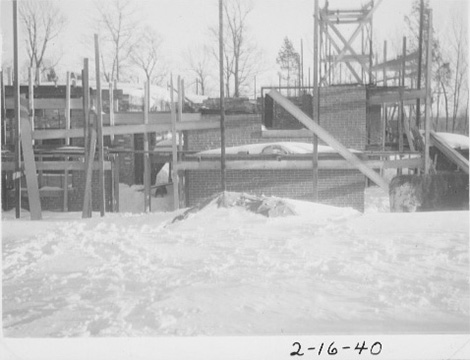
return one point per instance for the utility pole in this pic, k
(222, 101)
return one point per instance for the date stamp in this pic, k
(335, 349)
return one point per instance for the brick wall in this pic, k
(78, 183)
(342, 113)
(336, 187)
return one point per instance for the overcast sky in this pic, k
(184, 24)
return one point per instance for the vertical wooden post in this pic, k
(427, 117)
(116, 183)
(174, 171)
(99, 123)
(401, 109)
(3, 131)
(147, 205)
(86, 105)
(31, 98)
(222, 98)
(111, 109)
(30, 165)
(67, 106)
(420, 59)
(87, 202)
(316, 101)
(385, 110)
(16, 87)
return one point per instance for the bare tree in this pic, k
(146, 55)
(119, 28)
(43, 21)
(459, 62)
(199, 64)
(242, 57)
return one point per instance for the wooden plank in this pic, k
(87, 206)
(67, 106)
(174, 170)
(147, 195)
(127, 129)
(449, 152)
(86, 107)
(99, 125)
(16, 138)
(328, 139)
(31, 98)
(179, 118)
(116, 183)
(30, 166)
(257, 164)
(134, 118)
(427, 112)
(394, 97)
(66, 191)
(302, 133)
(50, 104)
(111, 109)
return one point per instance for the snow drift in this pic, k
(229, 271)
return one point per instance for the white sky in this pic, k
(184, 24)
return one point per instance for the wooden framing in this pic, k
(50, 104)
(407, 96)
(59, 166)
(87, 203)
(67, 106)
(427, 113)
(288, 164)
(328, 139)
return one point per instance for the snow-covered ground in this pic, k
(232, 272)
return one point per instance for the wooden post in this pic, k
(111, 108)
(99, 123)
(174, 150)
(16, 87)
(86, 106)
(427, 117)
(31, 98)
(420, 58)
(147, 205)
(316, 101)
(180, 136)
(30, 166)
(222, 98)
(87, 203)
(401, 109)
(3, 116)
(116, 183)
(67, 106)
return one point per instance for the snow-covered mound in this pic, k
(267, 206)
(282, 148)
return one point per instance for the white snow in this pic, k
(272, 148)
(457, 141)
(227, 271)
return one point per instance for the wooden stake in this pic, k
(16, 87)
(146, 156)
(111, 108)
(3, 114)
(427, 117)
(222, 97)
(174, 150)
(87, 203)
(99, 123)
(316, 101)
(180, 135)
(67, 106)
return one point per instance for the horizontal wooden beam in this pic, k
(257, 164)
(328, 138)
(301, 133)
(57, 165)
(49, 104)
(449, 152)
(136, 118)
(395, 63)
(347, 58)
(396, 96)
(127, 129)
